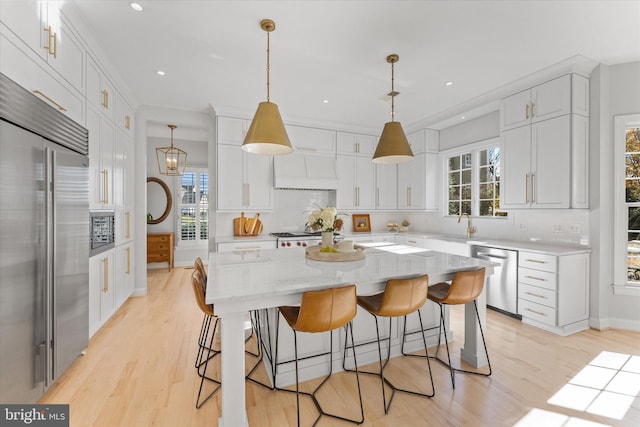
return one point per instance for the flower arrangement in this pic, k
(325, 219)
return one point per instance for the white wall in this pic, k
(615, 91)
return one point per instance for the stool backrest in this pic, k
(326, 310)
(199, 285)
(199, 265)
(404, 296)
(466, 286)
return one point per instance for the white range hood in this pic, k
(305, 172)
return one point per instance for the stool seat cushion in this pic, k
(465, 287)
(322, 311)
(400, 297)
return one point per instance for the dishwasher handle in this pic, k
(484, 254)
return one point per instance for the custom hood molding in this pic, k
(305, 172)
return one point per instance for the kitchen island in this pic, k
(241, 281)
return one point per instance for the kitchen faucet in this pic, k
(470, 228)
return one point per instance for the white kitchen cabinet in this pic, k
(536, 165)
(100, 90)
(312, 140)
(101, 160)
(244, 179)
(246, 245)
(102, 303)
(356, 143)
(47, 32)
(231, 131)
(123, 165)
(553, 291)
(28, 70)
(371, 238)
(124, 280)
(123, 115)
(356, 178)
(386, 186)
(424, 141)
(418, 183)
(409, 240)
(545, 101)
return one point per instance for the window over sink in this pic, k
(473, 179)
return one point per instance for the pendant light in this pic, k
(171, 160)
(393, 146)
(267, 134)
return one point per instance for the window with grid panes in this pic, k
(632, 202)
(193, 205)
(473, 179)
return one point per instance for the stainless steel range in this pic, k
(299, 239)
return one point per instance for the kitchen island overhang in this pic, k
(241, 281)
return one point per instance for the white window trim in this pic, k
(620, 284)
(475, 186)
(178, 186)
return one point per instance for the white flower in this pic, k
(323, 219)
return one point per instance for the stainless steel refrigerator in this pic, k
(44, 243)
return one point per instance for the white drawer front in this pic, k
(538, 312)
(538, 278)
(538, 295)
(538, 261)
(245, 246)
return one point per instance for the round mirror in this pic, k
(159, 201)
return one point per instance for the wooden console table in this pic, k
(160, 248)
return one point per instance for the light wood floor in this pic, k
(138, 371)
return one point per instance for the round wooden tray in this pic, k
(313, 252)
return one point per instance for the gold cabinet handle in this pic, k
(526, 188)
(535, 260)
(533, 109)
(409, 196)
(533, 188)
(105, 99)
(536, 312)
(535, 295)
(128, 214)
(105, 185)
(526, 111)
(128, 261)
(60, 107)
(51, 48)
(535, 278)
(377, 196)
(127, 121)
(105, 285)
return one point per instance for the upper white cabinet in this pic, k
(100, 90)
(545, 146)
(418, 179)
(386, 187)
(356, 178)
(46, 31)
(101, 160)
(312, 140)
(244, 179)
(123, 115)
(356, 143)
(545, 101)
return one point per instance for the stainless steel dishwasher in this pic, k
(502, 285)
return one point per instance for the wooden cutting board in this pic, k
(238, 225)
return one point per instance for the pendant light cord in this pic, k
(268, 66)
(393, 96)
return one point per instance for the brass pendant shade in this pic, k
(172, 161)
(393, 146)
(267, 134)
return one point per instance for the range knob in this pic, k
(283, 244)
(288, 243)
(299, 243)
(304, 244)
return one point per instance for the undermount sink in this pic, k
(460, 239)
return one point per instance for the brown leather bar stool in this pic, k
(401, 297)
(323, 311)
(465, 287)
(206, 351)
(206, 323)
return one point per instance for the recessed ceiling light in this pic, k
(463, 117)
(449, 83)
(161, 73)
(325, 101)
(136, 7)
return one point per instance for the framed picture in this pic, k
(361, 222)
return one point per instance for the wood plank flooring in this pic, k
(138, 371)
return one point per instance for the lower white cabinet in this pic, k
(553, 291)
(124, 282)
(249, 245)
(101, 289)
(416, 241)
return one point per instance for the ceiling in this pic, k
(214, 52)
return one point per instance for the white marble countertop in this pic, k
(540, 247)
(268, 273)
(234, 239)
